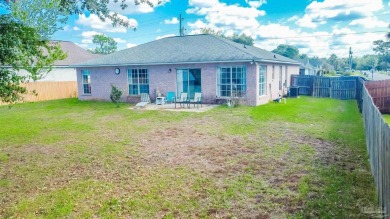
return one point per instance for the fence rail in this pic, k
(334, 87)
(380, 93)
(371, 97)
(378, 146)
(49, 90)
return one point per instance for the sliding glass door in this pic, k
(188, 81)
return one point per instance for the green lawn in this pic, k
(387, 118)
(71, 159)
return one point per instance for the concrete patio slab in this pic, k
(171, 107)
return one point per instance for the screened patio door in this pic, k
(188, 81)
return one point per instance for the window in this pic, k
(273, 72)
(280, 77)
(189, 81)
(285, 78)
(138, 81)
(263, 80)
(86, 79)
(231, 82)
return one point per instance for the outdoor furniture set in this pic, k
(183, 100)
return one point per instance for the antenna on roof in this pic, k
(181, 28)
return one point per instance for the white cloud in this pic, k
(198, 24)
(66, 28)
(119, 40)
(369, 22)
(129, 45)
(306, 21)
(174, 20)
(221, 15)
(320, 43)
(165, 36)
(88, 36)
(94, 22)
(132, 8)
(318, 13)
(293, 18)
(76, 28)
(256, 4)
(237, 19)
(203, 3)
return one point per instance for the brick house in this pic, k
(217, 67)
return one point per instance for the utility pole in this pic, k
(181, 29)
(350, 59)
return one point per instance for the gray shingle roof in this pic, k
(187, 49)
(75, 53)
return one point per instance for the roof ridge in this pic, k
(223, 40)
(254, 47)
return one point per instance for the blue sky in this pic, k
(318, 28)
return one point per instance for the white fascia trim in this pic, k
(165, 63)
(181, 63)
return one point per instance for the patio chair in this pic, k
(196, 100)
(183, 99)
(145, 99)
(170, 97)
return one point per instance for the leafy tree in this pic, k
(303, 56)
(20, 48)
(97, 7)
(382, 48)
(366, 62)
(289, 51)
(115, 95)
(41, 65)
(46, 16)
(26, 28)
(106, 44)
(335, 61)
(242, 38)
(388, 34)
(208, 30)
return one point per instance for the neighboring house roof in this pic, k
(187, 49)
(76, 54)
(305, 64)
(316, 62)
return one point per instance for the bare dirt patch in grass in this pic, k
(277, 157)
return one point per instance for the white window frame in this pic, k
(280, 77)
(273, 72)
(262, 83)
(130, 82)
(285, 80)
(219, 84)
(85, 72)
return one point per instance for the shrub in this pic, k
(115, 95)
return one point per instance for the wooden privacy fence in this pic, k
(50, 90)
(319, 86)
(380, 93)
(378, 147)
(371, 97)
